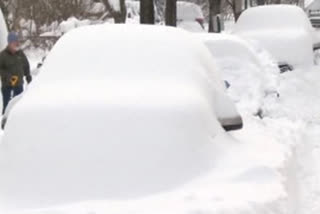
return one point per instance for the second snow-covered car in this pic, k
(251, 73)
(283, 30)
(113, 116)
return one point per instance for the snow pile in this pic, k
(246, 68)
(146, 120)
(3, 32)
(284, 31)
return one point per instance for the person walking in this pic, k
(14, 66)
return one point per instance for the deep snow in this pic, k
(273, 167)
(158, 127)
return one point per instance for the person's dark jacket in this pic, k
(13, 68)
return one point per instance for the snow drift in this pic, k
(108, 119)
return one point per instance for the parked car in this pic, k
(112, 116)
(190, 16)
(283, 30)
(250, 73)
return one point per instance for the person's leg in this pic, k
(6, 96)
(17, 90)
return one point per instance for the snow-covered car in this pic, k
(251, 73)
(283, 30)
(114, 117)
(190, 16)
(3, 32)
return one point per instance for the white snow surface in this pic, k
(271, 166)
(285, 31)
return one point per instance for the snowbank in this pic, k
(284, 31)
(85, 128)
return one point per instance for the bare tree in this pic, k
(146, 12)
(261, 2)
(120, 15)
(237, 7)
(214, 11)
(171, 13)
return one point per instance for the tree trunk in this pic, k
(171, 13)
(118, 16)
(238, 5)
(261, 2)
(146, 12)
(214, 11)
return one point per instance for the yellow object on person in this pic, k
(14, 80)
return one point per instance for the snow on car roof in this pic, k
(284, 31)
(143, 48)
(273, 17)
